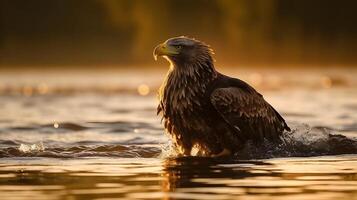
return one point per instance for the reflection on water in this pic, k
(296, 178)
(180, 178)
(96, 136)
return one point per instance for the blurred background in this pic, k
(107, 33)
(78, 98)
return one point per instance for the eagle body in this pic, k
(203, 108)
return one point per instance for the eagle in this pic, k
(206, 110)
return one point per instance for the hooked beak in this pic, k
(164, 50)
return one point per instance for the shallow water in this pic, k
(95, 135)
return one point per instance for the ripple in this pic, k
(350, 127)
(121, 151)
(64, 125)
(350, 106)
(293, 114)
(301, 142)
(103, 126)
(9, 142)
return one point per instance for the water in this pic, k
(95, 135)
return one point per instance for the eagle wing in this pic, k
(248, 114)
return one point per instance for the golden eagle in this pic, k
(206, 109)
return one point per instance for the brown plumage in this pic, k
(206, 109)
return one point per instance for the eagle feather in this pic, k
(202, 107)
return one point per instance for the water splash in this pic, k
(33, 148)
(79, 151)
(302, 141)
(168, 150)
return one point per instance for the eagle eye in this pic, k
(178, 47)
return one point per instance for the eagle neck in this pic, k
(185, 86)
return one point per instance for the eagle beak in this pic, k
(164, 50)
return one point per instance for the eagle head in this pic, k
(183, 51)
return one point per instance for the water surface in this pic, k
(95, 135)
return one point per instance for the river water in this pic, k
(67, 134)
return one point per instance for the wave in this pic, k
(302, 141)
(122, 151)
